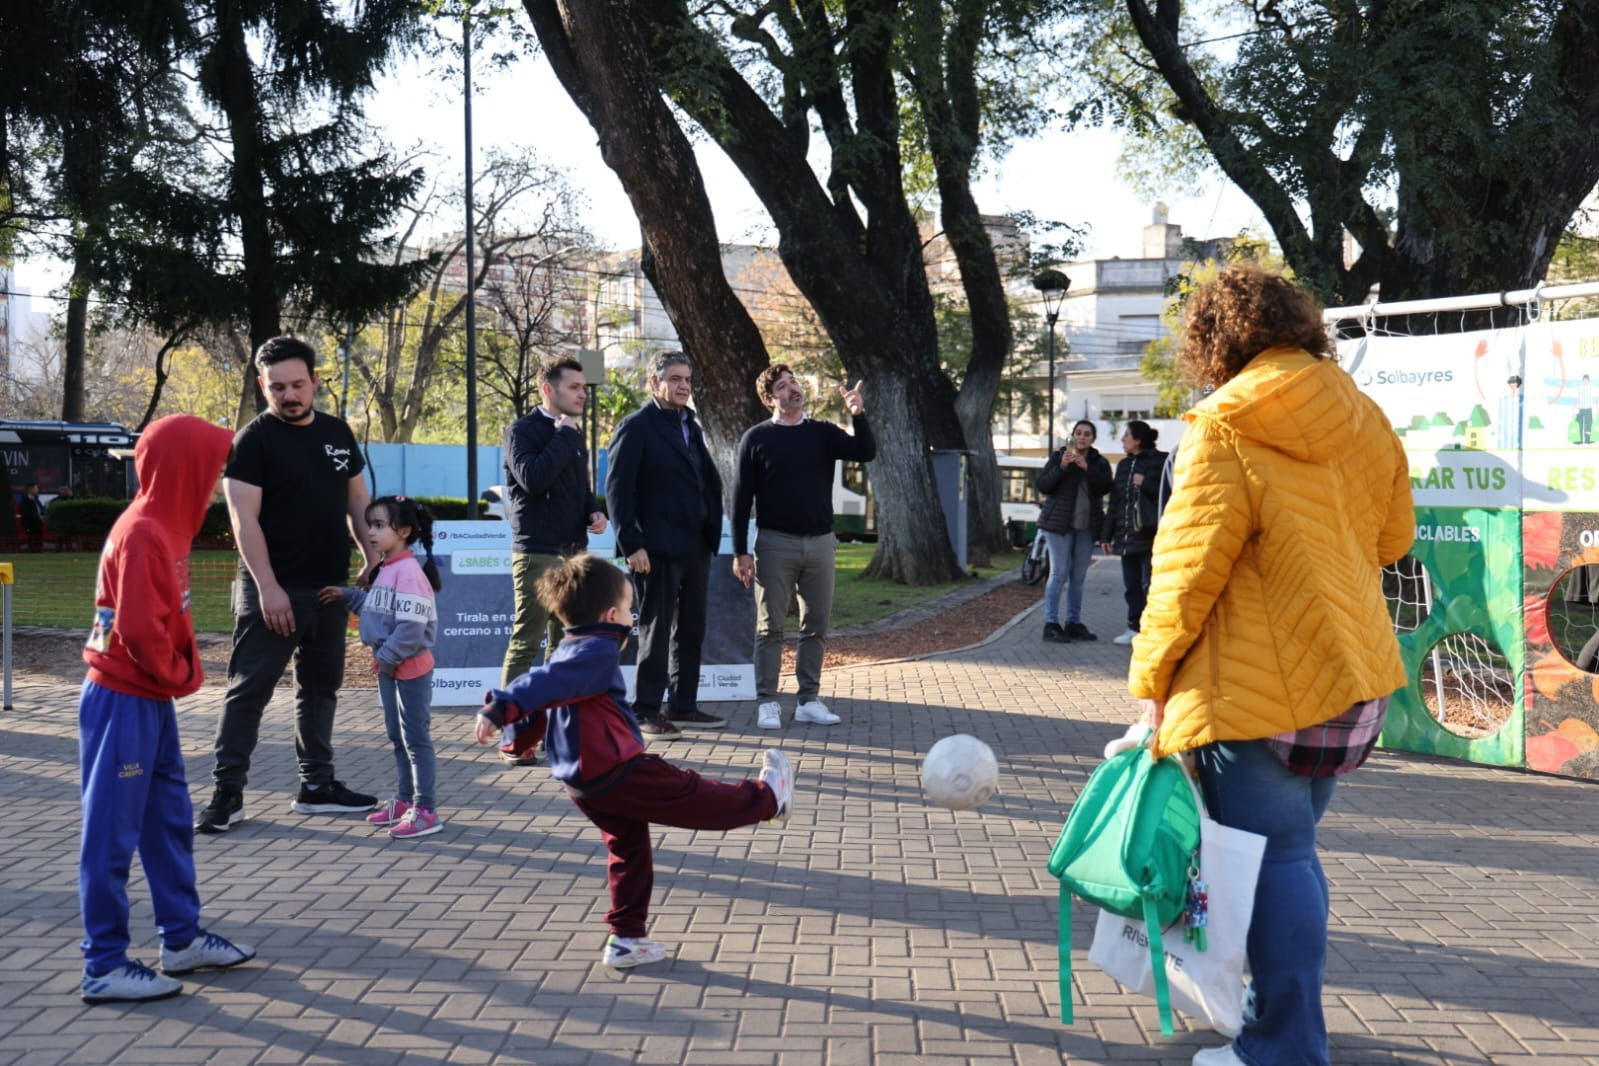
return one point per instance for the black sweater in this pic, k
(787, 473)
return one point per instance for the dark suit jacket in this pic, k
(664, 495)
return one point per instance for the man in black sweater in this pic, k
(785, 469)
(665, 497)
(551, 508)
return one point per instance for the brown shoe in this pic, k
(696, 719)
(656, 727)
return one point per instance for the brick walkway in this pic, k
(873, 929)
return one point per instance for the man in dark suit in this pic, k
(665, 499)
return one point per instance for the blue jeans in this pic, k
(407, 710)
(1135, 585)
(1069, 556)
(1246, 787)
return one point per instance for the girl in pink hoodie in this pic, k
(399, 622)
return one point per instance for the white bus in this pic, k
(855, 511)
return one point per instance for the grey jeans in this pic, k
(786, 565)
(532, 623)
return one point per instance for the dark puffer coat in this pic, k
(1058, 483)
(1128, 503)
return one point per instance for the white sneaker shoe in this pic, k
(1217, 1056)
(777, 773)
(769, 715)
(626, 953)
(205, 952)
(815, 712)
(1126, 638)
(133, 983)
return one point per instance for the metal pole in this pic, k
(1052, 316)
(5, 630)
(471, 280)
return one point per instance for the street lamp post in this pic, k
(1052, 285)
(471, 281)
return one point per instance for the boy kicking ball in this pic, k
(578, 702)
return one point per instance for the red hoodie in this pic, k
(143, 642)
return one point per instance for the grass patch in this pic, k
(857, 601)
(57, 588)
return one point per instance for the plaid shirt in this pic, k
(1333, 747)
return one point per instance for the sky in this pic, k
(1067, 177)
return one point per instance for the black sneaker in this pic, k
(225, 811)
(696, 719)
(656, 727)
(1078, 631)
(1054, 633)
(331, 798)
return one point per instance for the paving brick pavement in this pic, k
(872, 929)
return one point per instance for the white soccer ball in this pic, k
(960, 772)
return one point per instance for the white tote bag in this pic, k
(1205, 984)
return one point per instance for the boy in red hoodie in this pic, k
(142, 655)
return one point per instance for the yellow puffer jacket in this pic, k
(1266, 610)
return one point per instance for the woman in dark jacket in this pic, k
(1073, 483)
(1130, 520)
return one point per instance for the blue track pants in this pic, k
(135, 798)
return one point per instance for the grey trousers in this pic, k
(532, 621)
(786, 565)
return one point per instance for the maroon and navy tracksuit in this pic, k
(578, 700)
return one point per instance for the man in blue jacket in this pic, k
(665, 496)
(551, 508)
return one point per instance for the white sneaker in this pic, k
(133, 983)
(624, 953)
(1217, 1056)
(815, 712)
(205, 952)
(1126, 638)
(769, 715)
(777, 772)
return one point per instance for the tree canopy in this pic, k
(1451, 140)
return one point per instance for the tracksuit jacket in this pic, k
(579, 701)
(141, 655)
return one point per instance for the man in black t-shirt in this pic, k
(785, 470)
(296, 495)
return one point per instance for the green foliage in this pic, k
(1453, 141)
(92, 517)
(85, 517)
(623, 393)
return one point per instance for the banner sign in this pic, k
(477, 605)
(1500, 594)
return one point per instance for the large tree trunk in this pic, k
(75, 349)
(247, 184)
(943, 53)
(865, 278)
(599, 55)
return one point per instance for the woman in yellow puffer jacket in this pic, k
(1266, 647)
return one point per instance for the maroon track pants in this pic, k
(657, 793)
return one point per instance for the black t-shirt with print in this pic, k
(304, 475)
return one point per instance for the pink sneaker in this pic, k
(418, 822)
(389, 813)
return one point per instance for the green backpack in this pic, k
(1130, 846)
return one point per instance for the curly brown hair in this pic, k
(1244, 311)
(767, 378)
